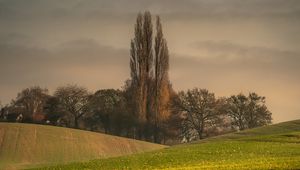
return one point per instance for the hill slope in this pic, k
(271, 147)
(26, 145)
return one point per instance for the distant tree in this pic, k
(141, 69)
(1, 112)
(54, 111)
(73, 100)
(170, 127)
(200, 108)
(108, 108)
(103, 104)
(8, 115)
(258, 113)
(130, 105)
(151, 88)
(30, 103)
(162, 88)
(187, 133)
(248, 111)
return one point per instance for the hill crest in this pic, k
(23, 145)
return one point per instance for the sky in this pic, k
(227, 47)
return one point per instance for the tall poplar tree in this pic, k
(149, 77)
(141, 67)
(162, 88)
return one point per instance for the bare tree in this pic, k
(237, 106)
(258, 113)
(73, 100)
(201, 108)
(248, 111)
(30, 102)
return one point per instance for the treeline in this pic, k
(147, 107)
(109, 111)
(205, 115)
(194, 114)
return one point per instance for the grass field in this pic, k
(271, 147)
(28, 145)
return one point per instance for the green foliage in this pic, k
(270, 147)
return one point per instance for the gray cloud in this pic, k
(254, 57)
(226, 46)
(30, 9)
(214, 59)
(82, 61)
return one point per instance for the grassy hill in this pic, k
(29, 145)
(271, 147)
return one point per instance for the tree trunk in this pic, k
(156, 134)
(76, 122)
(200, 132)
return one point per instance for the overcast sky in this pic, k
(228, 46)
